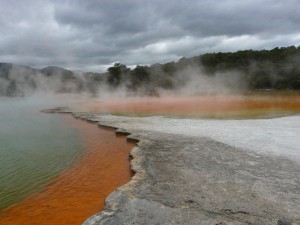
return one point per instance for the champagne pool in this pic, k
(34, 148)
(55, 169)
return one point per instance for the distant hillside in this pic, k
(17, 80)
(14, 79)
(51, 70)
(278, 69)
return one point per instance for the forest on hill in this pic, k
(277, 69)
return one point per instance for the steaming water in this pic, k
(34, 148)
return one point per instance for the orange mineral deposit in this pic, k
(78, 192)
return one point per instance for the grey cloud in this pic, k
(114, 17)
(231, 17)
(94, 34)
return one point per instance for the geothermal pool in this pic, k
(55, 169)
(34, 148)
(268, 122)
(54, 166)
(250, 106)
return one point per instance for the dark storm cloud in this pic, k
(90, 35)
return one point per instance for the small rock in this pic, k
(283, 222)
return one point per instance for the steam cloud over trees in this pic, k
(278, 69)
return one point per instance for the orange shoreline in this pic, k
(78, 192)
(196, 104)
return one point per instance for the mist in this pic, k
(22, 81)
(208, 74)
(193, 81)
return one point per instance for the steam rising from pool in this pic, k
(16, 80)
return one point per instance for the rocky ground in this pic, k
(190, 179)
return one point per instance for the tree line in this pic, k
(277, 69)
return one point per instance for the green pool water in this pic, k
(34, 148)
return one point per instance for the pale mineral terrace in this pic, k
(191, 171)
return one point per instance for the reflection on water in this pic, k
(34, 148)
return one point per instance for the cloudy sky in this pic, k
(90, 35)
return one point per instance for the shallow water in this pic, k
(34, 148)
(212, 107)
(266, 122)
(78, 192)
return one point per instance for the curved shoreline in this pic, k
(234, 187)
(58, 202)
(183, 179)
